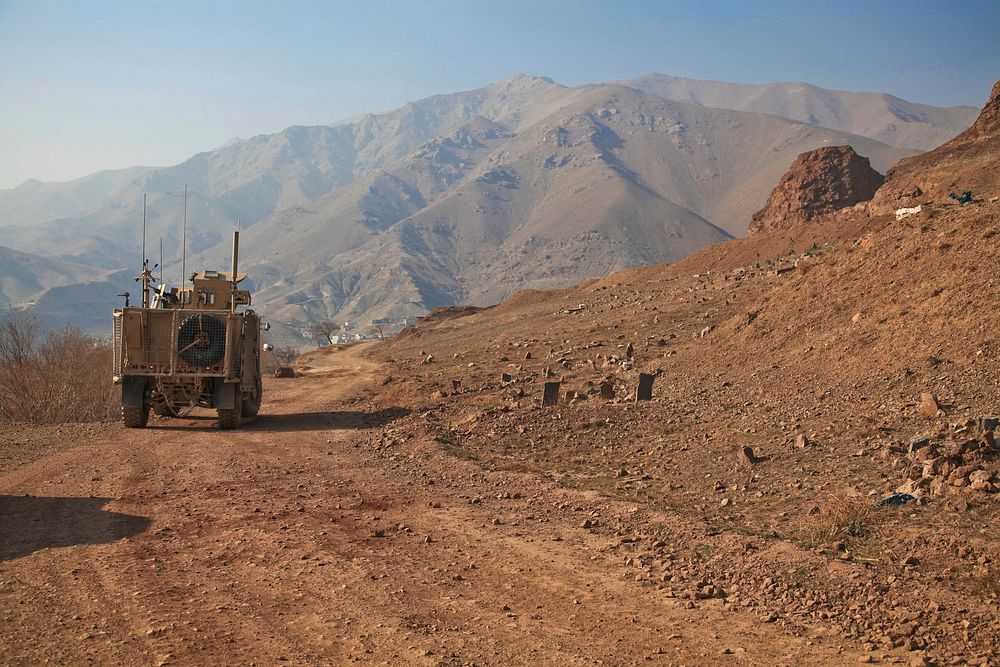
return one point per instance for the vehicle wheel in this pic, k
(251, 406)
(135, 417)
(230, 418)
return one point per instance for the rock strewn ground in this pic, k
(838, 342)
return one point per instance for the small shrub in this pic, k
(63, 376)
(279, 356)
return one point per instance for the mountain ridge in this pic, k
(569, 182)
(881, 116)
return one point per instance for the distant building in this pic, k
(394, 321)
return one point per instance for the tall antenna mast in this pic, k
(161, 260)
(236, 255)
(184, 238)
(146, 274)
(143, 262)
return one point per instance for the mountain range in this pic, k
(463, 197)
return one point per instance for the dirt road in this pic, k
(295, 540)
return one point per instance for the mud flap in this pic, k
(226, 395)
(133, 389)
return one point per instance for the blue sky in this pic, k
(88, 85)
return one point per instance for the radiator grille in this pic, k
(116, 344)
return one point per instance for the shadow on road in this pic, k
(29, 524)
(322, 421)
(297, 421)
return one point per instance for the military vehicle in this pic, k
(189, 346)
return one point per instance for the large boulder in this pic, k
(819, 182)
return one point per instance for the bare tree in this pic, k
(19, 336)
(325, 329)
(59, 378)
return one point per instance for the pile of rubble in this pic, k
(952, 465)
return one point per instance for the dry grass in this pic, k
(844, 518)
(62, 376)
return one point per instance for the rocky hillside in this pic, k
(818, 183)
(969, 162)
(613, 178)
(24, 277)
(35, 201)
(800, 379)
(887, 118)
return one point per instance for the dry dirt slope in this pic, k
(813, 347)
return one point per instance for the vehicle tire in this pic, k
(135, 417)
(251, 406)
(230, 418)
(212, 347)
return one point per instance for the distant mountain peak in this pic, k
(231, 142)
(520, 77)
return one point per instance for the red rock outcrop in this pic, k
(819, 182)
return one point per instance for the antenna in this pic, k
(143, 262)
(184, 239)
(146, 274)
(236, 255)
(161, 260)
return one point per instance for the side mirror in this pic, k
(268, 347)
(266, 326)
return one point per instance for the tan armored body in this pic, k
(189, 347)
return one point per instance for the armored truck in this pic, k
(189, 346)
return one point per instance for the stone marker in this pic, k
(456, 384)
(607, 390)
(527, 355)
(550, 393)
(801, 441)
(928, 405)
(629, 351)
(644, 391)
(988, 441)
(746, 456)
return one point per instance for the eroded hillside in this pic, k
(800, 377)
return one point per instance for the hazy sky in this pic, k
(88, 85)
